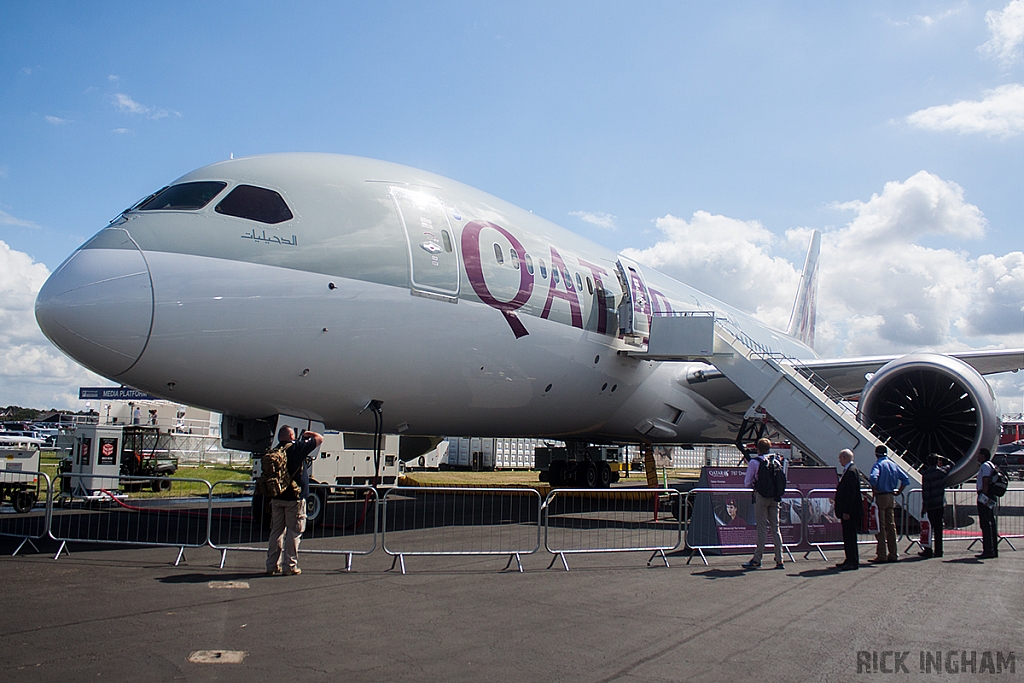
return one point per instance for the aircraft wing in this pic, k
(847, 375)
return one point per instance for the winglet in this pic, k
(801, 322)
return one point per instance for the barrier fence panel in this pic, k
(150, 511)
(960, 520)
(709, 529)
(341, 520)
(1010, 517)
(829, 535)
(612, 520)
(461, 521)
(24, 506)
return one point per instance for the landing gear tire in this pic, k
(316, 507)
(23, 501)
(587, 475)
(555, 473)
(604, 475)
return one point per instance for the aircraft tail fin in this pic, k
(801, 321)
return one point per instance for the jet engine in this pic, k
(931, 403)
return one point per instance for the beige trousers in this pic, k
(767, 514)
(288, 521)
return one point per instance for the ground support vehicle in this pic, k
(579, 465)
(19, 454)
(145, 454)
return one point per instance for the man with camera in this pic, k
(288, 509)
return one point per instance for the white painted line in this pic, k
(217, 657)
(228, 584)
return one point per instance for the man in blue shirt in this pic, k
(887, 482)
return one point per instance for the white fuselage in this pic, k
(387, 283)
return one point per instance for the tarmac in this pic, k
(116, 613)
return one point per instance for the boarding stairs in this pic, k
(801, 405)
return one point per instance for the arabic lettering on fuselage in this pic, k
(561, 288)
(270, 239)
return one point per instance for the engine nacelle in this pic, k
(931, 403)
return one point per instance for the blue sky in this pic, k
(705, 138)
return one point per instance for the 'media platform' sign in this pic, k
(112, 394)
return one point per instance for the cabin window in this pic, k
(568, 278)
(579, 282)
(590, 286)
(446, 238)
(498, 256)
(513, 256)
(255, 204)
(183, 197)
(529, 264)
(543, 269)
(554, 275)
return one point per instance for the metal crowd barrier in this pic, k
(25, 512)
(190, 513)
(460, 521)
(786, 530)
(118, 510)
(578, 521)
(960, 519)
(833, 540)
(341, 520)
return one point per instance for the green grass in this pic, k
(49, 461)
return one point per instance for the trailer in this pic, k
(582, 466)
(431, 460)
(18, 455)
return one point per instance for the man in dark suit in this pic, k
(849, 509)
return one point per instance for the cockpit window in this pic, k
(183, 197)
(255, 204)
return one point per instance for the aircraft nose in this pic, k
(98, 306)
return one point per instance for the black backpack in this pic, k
(998, 482)
(771, 479)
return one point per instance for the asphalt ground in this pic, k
(117, 613)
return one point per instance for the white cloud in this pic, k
(127, 105)
(933, 19)
(32, 371)
(56, 120)
(727, 258)
(8, 219)
(121, 131)
(1000, 112)
(999, 310)
(1007, 28)
(600, 219)
(923, 205)
(881, 290)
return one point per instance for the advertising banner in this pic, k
(728, 518)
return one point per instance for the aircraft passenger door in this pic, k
(433, 253)
(635, 308)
